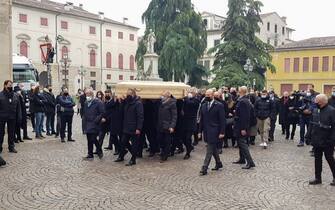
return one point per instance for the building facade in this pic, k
(103, 48)
(273, 30)
(298, 64)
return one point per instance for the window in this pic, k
(65, 51)
(131, 77)
(296, 62)
(132, 62)
(120, 61)
(287, 65)
(269, 41)
(120, 77)
(333, 63)
(93, 74)
(109, 76)
(131, 37)
(325, 63)
(93, 84)
(23, 18)
(44, 21)
(216, 42)
(315, 64)
(283, 30)
(120, 35)
(305, 65)
(207, 64)
(108, 33)
(276, 42)
(24, 48)
(206, 22)
(92, 30)
(108, 60)
(268, 26)
(276, 28)
(64, 25)
(92, 57)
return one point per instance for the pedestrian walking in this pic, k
(66, 109)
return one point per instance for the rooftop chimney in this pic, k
(81, 6)
(125, 20)
(68, 6)
(284, 18)
(101, 15)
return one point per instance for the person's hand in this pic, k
(171, 130)
(221, 136)
(199, 135)
(243, 132)
(138, 132)
(290, 108)
(230, 114)
(103, 120)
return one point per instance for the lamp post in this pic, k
(82, 73)
(248, 67)
(65, 62)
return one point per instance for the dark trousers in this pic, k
(50, 122)
(92, 139)
(165, 141)
(32, 118)
(304, 122)
(101, 139)
(212, 150)
(244, 150)
(272, 127)
(66, 120)
(24, 128)
(58, 124)
(287, 130)
(115, 139)
(187, 140)
(329, 154)
(176, 142)
(126, 146)
(10, 133)
(151, 135)
(18, 132)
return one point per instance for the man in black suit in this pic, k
(212, 125)
(241, 127)
(132, 127)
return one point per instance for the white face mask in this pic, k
(88, 98)
(291, 97)
(333, 94)
(308, 94)
(190, 95)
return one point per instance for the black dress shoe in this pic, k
(101, 155)
(95, 153)
(333, 183)
(220, 151)
(43, 137)
(249, 166)
(217, 167)
(226, 146)
(108, 148)
(27, 138)
(239, 162)
(2, 162)
(119, 160)
(315, 182)
(187, 156)
(88, 158)
(71, 140)
(62, 140)
(48, 134)
(12, 151)
(203, 173)
(131, 163)
(21, 140)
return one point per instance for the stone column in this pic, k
(6, 69)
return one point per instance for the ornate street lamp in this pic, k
(248, 67)
(82, 74)
(65, 63)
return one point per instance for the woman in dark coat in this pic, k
(292, 117)
(37, 106)
(283, 112)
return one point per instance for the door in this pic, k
(286, 87)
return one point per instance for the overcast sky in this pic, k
(308, 17)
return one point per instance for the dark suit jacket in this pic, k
(212, 122)
(242, 116)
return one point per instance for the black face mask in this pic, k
(66, 94)
(129, 98)
(208, 99)
(9, 89)
(107, 98)
(318, 105)
(50, 90)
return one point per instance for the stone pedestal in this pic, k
(6, 63)
(151, 66)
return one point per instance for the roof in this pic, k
(212, 14)
(312, 43)
(268, 14)
(59, 8)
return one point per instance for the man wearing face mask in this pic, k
(331, 100)
(132, 126)
(10, 113)
(276, 103)
(50, 108)
(321, 135)
(264, 110)
(305, 115)
(66, 109)
(166, 123)
(212, 127)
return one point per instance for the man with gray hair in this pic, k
(321, 135)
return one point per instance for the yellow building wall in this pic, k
(318, 79)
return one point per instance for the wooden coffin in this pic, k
(152, 89)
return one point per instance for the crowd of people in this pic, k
(169, 126)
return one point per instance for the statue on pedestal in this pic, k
(151, 42)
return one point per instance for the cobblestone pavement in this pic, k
(47, 174)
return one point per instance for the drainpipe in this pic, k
(101, 23)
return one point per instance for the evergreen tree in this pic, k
(240, 43)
